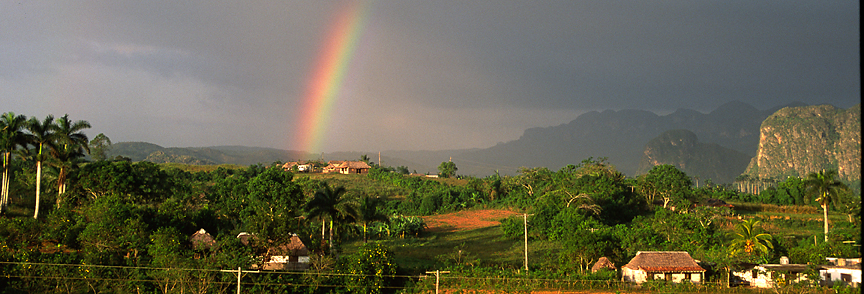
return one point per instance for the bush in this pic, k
(513, 227)
(370, 269)
(401, 225)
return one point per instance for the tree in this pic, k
(368, 212)
(365, 158)
(12, 137)
(330, 204)
(849, 205)
(668, 182)
(447, 169)
(824, 189)
(141, 182)
(402, 170)
(748, 239)
(99, 146)
(66, 162)
(274, 205)
(69, 148)
(43, 134)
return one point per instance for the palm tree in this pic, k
(12, 136)
(750, 240)
(42, 137)
(329, 204)
(66, 161)
(368, 212)
(71, 144)
(824, 189)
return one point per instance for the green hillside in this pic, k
(135, 219)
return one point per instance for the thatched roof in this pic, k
(294, 248)
(603, 263)
(664, 261)
(354, 164)
(202, 240)
(244, 238)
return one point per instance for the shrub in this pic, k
(370, 269)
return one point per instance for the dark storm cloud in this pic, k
(425, 74)
(663, 54)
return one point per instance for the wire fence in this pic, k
(16, 277)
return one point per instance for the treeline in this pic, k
(139, 217)
(131, 222)
(590, 210)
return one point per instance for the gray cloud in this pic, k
(425, 74)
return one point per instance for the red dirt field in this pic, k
(466, 220)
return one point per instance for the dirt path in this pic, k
(466, 220)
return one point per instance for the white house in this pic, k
(847, 270)
(672, 266)
(768, 275)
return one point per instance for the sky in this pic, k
(326, 76)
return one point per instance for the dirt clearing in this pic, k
(466, 220)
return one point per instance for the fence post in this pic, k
(437, 273)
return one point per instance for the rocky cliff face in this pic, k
(796, 141)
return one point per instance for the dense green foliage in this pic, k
(125, 226)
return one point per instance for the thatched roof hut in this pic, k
(294, 248)
(672, 266)
(202, 240)
(603, 264)
(664, 261)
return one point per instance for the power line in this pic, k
(496, 279)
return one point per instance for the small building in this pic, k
(332, 166)
(202, 240)
(603, 264)
(354, 167)
(768, 275)
(201, 243)
(346, 167)
(291, 256)
(303, 167)
(672, 266)
(847, 270)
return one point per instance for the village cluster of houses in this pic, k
(670, 266)
(333, 166)
(679, 267)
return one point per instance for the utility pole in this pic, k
(525, 219)
(239, 274)
(437, 276)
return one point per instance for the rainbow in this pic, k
(328, 75)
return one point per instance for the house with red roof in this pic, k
(671, 266)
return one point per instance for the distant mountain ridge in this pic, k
(242, 155)
(619, 136)
(683, 149)
(716, 145)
